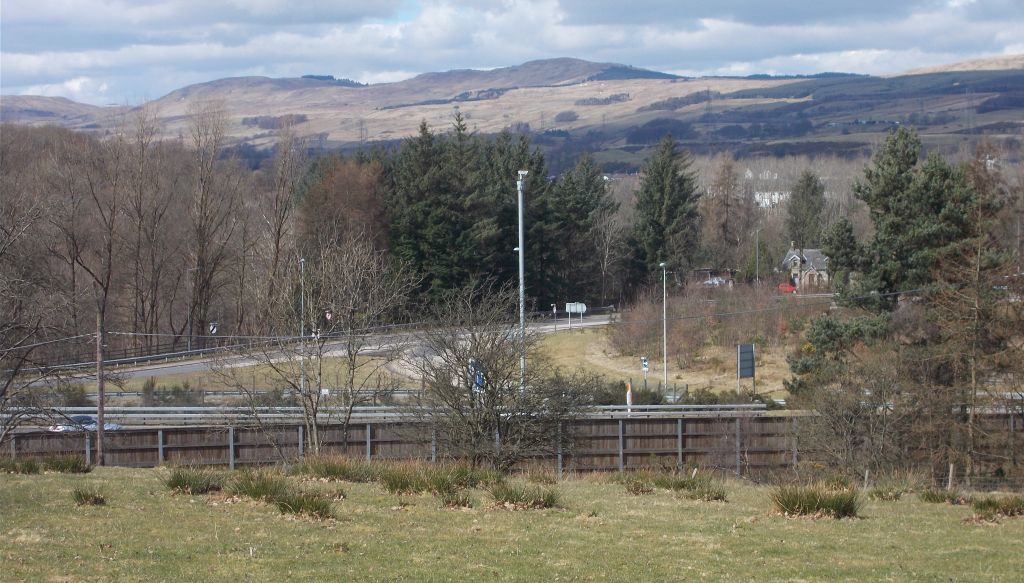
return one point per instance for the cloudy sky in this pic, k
(128, 51)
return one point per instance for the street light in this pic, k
(664, 321)
(757, 256)
(302, 325)
(192, 305)
(522, 288)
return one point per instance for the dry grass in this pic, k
(597, 532)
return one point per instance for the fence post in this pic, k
(88, 448)
(301, 445)
(160, 446)
(622, 445)
(737, 423)
(795, 428)
(369, 436)
(231, 448)
(679, 444)
(14, 448)
(433, 444)
(949, 480)
(559, 450)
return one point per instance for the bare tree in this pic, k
(340, 300)
(474, 400)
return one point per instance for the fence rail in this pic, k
(742, 441)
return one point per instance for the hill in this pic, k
(616, 110)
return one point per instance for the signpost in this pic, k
(745, 365)
(575, 308)
(646, 366)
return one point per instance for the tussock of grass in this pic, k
(191, 480)
(816, 500)
(992, 507)
(67, 464)
(87, 497)
(886, 493)
(258, 484)
(338, 468)
(12, 466)
(638, 485)
(308, 504)
(403, 478)
(455, 500)
(524, 496)
(939, 496)
(542, 477)
(705, 489)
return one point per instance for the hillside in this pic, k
(572, 105)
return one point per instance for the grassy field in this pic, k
(146, 533)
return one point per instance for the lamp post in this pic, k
(192, 305)
(757, 256)
(664, 321)
(302, 325)
(522, 287)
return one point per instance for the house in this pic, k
(807, 269)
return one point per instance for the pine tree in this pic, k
(667, 224)
(805, 205)
(727, 218)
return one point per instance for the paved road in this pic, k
(200, 365)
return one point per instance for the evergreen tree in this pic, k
(805, 205)
(667, 224)
(728, 216)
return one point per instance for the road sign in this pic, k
(745, 361)
(576, 308)
(644, 364)
(213, 327)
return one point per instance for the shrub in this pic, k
(190, 480)
(87, 497)
(991, 507)
(12, 466)
(313, 505)
(338, 468)
(524, 496)
(258, 484)
(816, 500)
(67, 464)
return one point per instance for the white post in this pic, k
(302, 326)
(522, 287)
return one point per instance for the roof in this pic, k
(811, 259)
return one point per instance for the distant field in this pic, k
(144, 533)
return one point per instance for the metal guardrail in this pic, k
(175, 416)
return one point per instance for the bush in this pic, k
(67, 464)
(338, 468)
(190, 480)
(87, 497)
(259, 484)
(816, 500)
(524, 496)
(991, 507)
(313, 505)
(12, 466)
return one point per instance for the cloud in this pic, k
(149, 47)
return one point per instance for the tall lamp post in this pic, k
(522, 287)
(302, 325)
(664, 321)
(757, 256)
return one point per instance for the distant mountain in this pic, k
(1002, 63)
(572, 105)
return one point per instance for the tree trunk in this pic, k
(100, 388)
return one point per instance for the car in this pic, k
(714, 282)
(787, 288)
(82, 423)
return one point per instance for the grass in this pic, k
(992, 507)
(816, 500)
(307, 503)
(939, 496)
(12, 466)
(86, 496)
(191, 480)
(523, 496)
(597, 532)
(67, 464)
(258, 484)
(339, 468)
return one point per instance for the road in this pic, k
(206, 364)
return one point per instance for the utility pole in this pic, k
(522, 288)
(664, 322)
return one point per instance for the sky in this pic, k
(125, 52)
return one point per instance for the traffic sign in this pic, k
(644, 363)
(213, 328)
(576, 308)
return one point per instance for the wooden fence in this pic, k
(739, 443)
